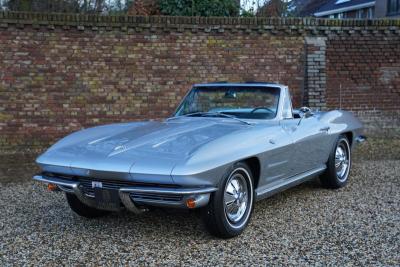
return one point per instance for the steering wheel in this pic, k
(258, 108)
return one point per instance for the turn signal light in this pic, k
(191, 203)
(52, 187)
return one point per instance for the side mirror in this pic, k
(306, 112)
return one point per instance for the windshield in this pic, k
(245, 102)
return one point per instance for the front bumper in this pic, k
(134, 198)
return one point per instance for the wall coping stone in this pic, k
(287, 26)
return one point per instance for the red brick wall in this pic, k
(59, 73)
(368, 71)
(53, 82)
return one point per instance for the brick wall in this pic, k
(59, 73)
(363, 75)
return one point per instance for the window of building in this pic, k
(340, 15)
(360, 14)
(370, 13)
(393, 7)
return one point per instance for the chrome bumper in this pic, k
(134, 197)
(361, 139)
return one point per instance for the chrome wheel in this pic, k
(342, 160)
(230, 207)
(236, 197)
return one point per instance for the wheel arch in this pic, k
(349, 136)
(255, 167)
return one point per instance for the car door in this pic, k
(309, 137)
(277, 159)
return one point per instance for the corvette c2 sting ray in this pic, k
(227, 145)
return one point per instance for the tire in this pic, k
(338, 165)
(82, 209)
(220, 218)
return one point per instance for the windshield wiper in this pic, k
(212, 114)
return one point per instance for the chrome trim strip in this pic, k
(128, 203)
(200, 200)
(91, 202)
(64, 183)
(277, 163)
(289, 182)
(65, 189)
(56, 181)
(172, 191)
(165, 203)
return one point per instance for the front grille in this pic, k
(156, 197)
(85, 185)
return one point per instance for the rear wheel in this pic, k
(230, 208)
(82, 209)
(338, 165)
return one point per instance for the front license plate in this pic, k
(107, 199)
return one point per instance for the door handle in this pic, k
(325, 129)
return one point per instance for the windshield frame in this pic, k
(218, 85)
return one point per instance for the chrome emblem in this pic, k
(97, 184)
(119, 147)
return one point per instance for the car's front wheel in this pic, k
(82, 209)
(338, 165)
(230, 208)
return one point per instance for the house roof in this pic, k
(337, 6)
(265, 84)
(304, 8)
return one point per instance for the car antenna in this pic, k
(340, 96)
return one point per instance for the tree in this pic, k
(269, 8)
(199, 7)
(206, 8)
(39, 6)
(69, 6)
(144, 8)
(273, 8)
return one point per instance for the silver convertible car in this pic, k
(227, 146)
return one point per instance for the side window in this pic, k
(287, 108)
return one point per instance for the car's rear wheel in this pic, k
(338, 165)
(82, 209)
(230, 208)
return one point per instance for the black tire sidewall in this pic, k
(331, 178)
(224, 227)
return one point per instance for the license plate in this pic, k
(97, 184)
(107, 199)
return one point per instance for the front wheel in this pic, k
(338, 165)
(230, 208)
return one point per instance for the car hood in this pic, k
(138, 147)
(176, 139)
